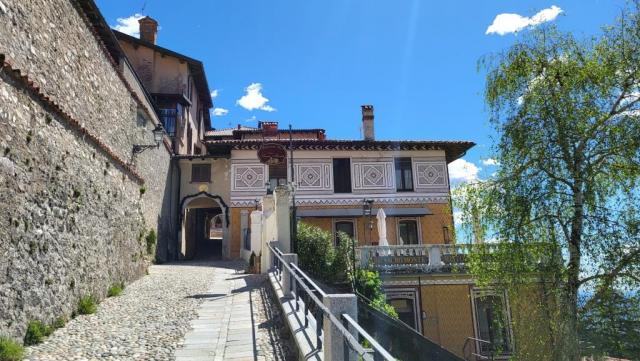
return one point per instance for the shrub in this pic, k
(369, 284)
(87, 305)
(36, 332)
(59, 322)
(115, 289)
(10, 350)
(151, 239)
(143, 190)
(315, 251)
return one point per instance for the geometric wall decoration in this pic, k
(313, 176)
(430, 174)
(248, 177)
(373, 175)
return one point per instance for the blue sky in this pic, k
(317, 61)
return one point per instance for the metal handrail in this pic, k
(477, 355)
(309, 280)
(379, 353)
(299, 277)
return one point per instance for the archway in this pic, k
(204, 227)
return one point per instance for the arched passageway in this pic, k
(204, 227)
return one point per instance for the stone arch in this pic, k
(194, 215)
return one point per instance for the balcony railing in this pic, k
(416, 258)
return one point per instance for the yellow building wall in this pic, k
(449, 315)
(431, 226)
(531, 318)
(235, 236)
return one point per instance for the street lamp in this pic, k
(367, 208)
(158, 134)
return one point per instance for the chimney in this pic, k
(367, 122)
(148, 29)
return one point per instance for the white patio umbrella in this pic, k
(382, 228)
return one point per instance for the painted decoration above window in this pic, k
(248, 177)
(373, 175)
(272, 154)
(430, 174)
(313, 176)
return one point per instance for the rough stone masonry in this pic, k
(71, 214)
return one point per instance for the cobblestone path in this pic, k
(150, 319)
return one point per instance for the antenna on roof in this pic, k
(144, 5)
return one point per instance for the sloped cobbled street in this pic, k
(150, 319)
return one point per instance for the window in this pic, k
(346, 226)
(404, 175)
(405, 302)
(492, 323)
(168, 119)
(277, 175)
(408, 231)
(342, 175)
(201, 173)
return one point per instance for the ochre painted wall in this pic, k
(431, 226)
(449, 315)
(235, 236)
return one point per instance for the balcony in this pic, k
(424, 258)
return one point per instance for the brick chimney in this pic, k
(148, 29)
(367, 122)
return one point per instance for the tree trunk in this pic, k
(573, 275)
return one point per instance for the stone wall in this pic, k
(72, 207)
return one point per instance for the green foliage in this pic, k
(87, 305)
(59, 322)
(369, 284)
(143, 190)
(36, 332)
(10, 350)
(318, 256)
(150, 241)
(567, 113)
(611, 326)
(115, 289)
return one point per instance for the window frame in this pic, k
(350, 178)
(208, 177)
(408, 293)
(334, 230)
(418, 229)
(477, 292)
(399, 171)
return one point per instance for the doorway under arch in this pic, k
(204, 227)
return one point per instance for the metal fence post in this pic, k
(287, 285)
(338, 304)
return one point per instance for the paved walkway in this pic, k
(185, 311)
(230, 323)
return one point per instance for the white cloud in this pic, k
(252, 119)
(129, 25)
(219, 112)
(490, 161)
(253, 99)
(462, 171)
(512, 23)
(214, 93)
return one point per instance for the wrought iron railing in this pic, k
(309, 296)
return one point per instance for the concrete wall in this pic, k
(73, 209)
